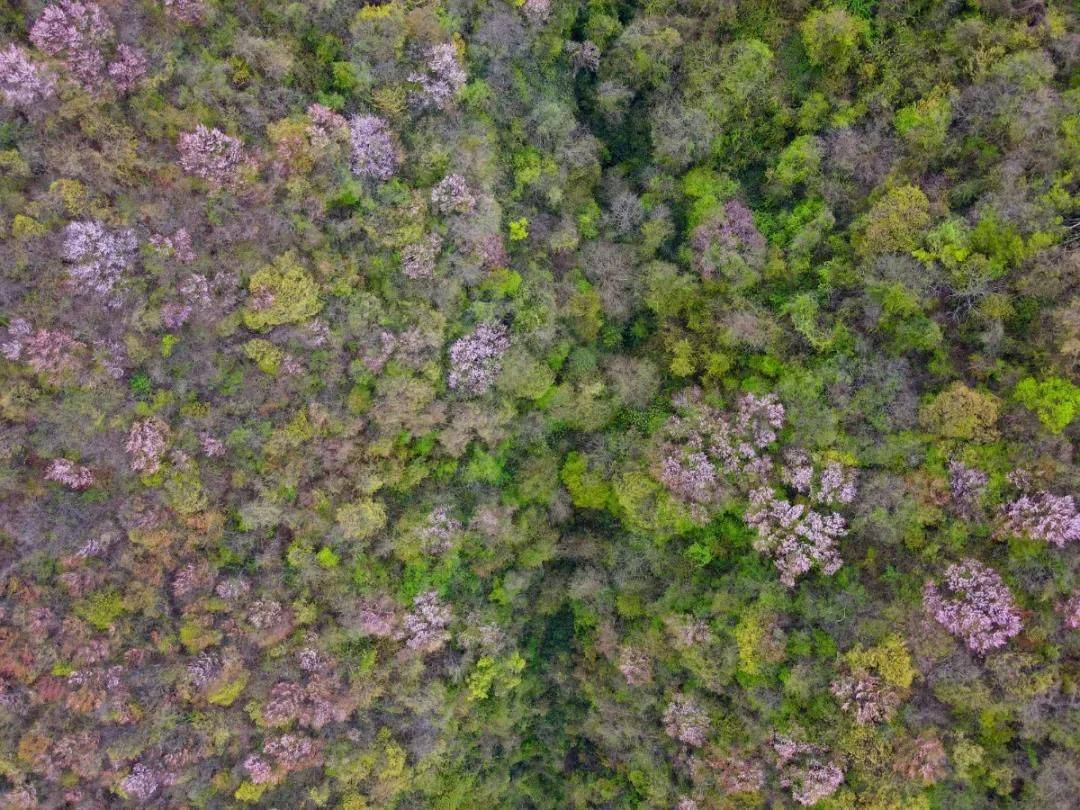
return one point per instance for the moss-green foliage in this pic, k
(1054, 400)
(361, 520)
(285, 292)
(960, 412)
(101, 608)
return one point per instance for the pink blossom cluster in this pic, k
(292, 752)
(127, 68)
(802, 768)
(442, 76)
(977, 606)
(258, 769)
(186, 11)
(141, 783)
(685, 721)
(836, 485)
(491, 251)
(418, 258)
(373, 151)
(325, 125)
(205, 668)
(23, 84)
(233, 588)
(476, 359)
(967, 485)
(312, 704)
(178, 245)
(705, 451)
(210, 154)
(452, 195)
(69, 474)
(21, 797)
(195, 292)
(795, 536)
(146, 445)
(74, 32)
(727, 244)
(867, 697)
(798, 470)
(98, 256)
(192, 578)
(703, 444)
(425, 627)
(47, 351)
(733, 442)
(265, 614)
(440, 531)
(1043, 516)
(377, 617)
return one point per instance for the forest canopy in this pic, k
(539, 404)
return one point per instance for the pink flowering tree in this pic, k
(797, 537)
(425, 627)
(74, 32)
(1042, 516)
(451, 195)
(685, 721)
(374, 153)
(210, 154)
(23, 83)
(476, 359)
(326, 125)
(49, 352)
(97, 256)
(1070, 612)
(146, 444)
(191, 12)
(709, 456)
(975, 605)
(441, 78)
(69, 474)
(418, 258)
(127, 68)
(806, 771)
(866, 697)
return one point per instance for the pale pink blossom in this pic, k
(373, 151)
(686, 721)
(129, 66)
(23, 84)
(186, 11)
(210, 154)
(1043, 516)
(476, 359)
(74, 32)
(98, 256)
(976, 606)
(442, 76)
(796, 537)
(69, 474)
(146, 444)
(425, 626)
(452, 195)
